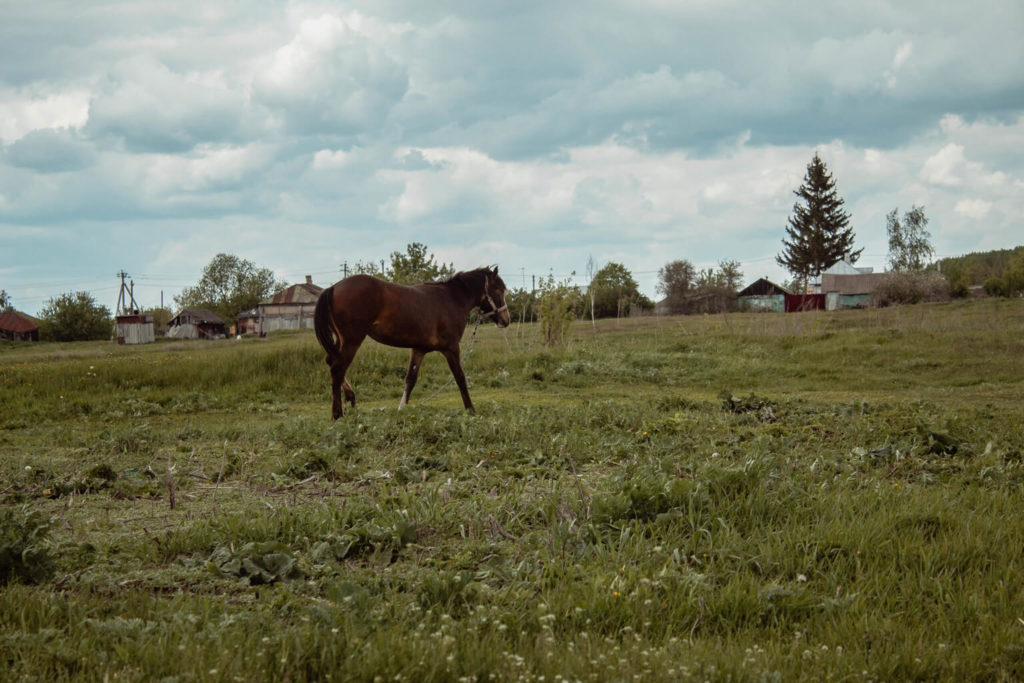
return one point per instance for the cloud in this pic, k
(330, 78)
(328, 159)
(21, 113)
(207, 169)
(50, 150)
(533, 134)
(151, 108)
(902, 55)
(973, 208)
(943, 167)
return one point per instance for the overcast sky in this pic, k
(149, 136)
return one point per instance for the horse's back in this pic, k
(398, 315)
(360, 297)
(364, 300)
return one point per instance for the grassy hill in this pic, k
(795, 496)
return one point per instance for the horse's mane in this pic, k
(471, 280)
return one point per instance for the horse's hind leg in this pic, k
(338, 380)
(415, 361)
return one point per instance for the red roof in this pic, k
(17, 322)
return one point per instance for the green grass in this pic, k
(747, 497)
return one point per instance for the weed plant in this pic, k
(739, 497)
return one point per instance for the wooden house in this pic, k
(16, 326)
(763, 295)
(847, 286)
(135, 329)
(248, 322)
(197, 323)
(289, 309)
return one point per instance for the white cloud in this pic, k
(902, 55)
(150, 107)
(331, 159)
(330, 77)
(943, 167)
(208, 168)
(973, 208)
(21, 113)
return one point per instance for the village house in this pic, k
(135, 328)
(848, 286)
(763, 295)
(290, 309)
(15, 326)
(196, 323)
(248, 322)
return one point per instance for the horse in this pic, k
(423, 318)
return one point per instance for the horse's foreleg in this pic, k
(415, 360)
(460, 377)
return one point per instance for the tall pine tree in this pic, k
(818, 233)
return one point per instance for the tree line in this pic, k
(818, 234)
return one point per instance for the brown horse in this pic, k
(423, 318)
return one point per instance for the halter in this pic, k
(494, 307)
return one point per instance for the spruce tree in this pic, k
(819, 232)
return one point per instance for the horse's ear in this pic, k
(495, 268)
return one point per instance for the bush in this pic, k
(24, 546)
(557, 301)
(75, 317)
(910, 288)
(995, 286)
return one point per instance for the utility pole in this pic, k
(126, 304)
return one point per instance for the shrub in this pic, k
(557, 301)
(24, 546)
(995, 286)
(910, 288)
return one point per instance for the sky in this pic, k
(536, 135)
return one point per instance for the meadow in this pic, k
(815, 496)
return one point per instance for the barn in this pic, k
(290, 309)
(248, 322)
(197, 323)
(135, 329)
(849, 290)
(763, 295)
(16, 326)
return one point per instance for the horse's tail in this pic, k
(322, 324)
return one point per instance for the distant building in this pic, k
(15, 326)
(135, 329)
(763, 295)
(847, 286)
(197, 323)
(799, 303)
(248, 322)
(289, 309)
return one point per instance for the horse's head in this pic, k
(493, 304)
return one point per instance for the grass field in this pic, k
(744, 497)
